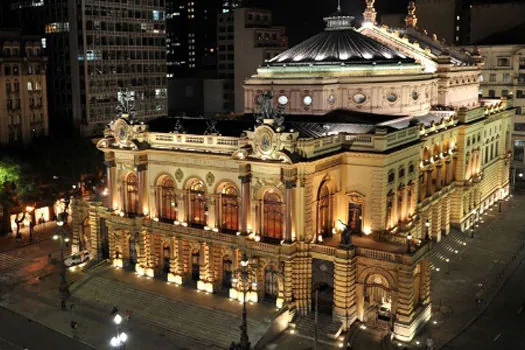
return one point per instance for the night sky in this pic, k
(304, 18)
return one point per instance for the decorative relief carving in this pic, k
(210, 178)
(179, 175)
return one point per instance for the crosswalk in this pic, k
(8, 262)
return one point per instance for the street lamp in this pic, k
(63, 287)
(120, 338)
(244, 343)
(427, 230)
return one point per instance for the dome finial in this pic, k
(370, 13)
(338, 5)
(411, 18)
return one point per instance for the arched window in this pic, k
(229, 208)
(198, 208)
(166, 199)
(273, 216)
(132, 194)
(324, 220)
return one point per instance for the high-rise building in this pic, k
(468, 21)
(23, 95)
(97, 48)
(246, 39)
(191, 38)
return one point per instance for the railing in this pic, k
(192, 231)
(323, 249)
(212, 143)
(379, 255)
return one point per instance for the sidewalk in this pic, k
(465, 269)
(41, 232)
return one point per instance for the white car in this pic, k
(77, 259)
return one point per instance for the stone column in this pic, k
(421, 188)
(287, 282)
(445, 215)
(245, 177)
(424, 292)
(110, 178)
(439, 167)
(447, 171)
(289, 185)
(141, 175)
(345, 308)
(175, 274)
(429, 182)
(404, 310)
(436, 222)
(302, 283)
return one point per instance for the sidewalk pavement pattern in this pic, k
(466, 269)
(8, 262)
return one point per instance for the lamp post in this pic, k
(244, 343)
(63, 287)
(427, 230)
(120, 338)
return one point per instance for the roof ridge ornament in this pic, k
(267, 111)
(370, 13)
(125, 104)
(338, 19)
(411, 18)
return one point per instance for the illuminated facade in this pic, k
(23, 89)
(343, 191)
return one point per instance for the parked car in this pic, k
(77, 259)
(383, 313)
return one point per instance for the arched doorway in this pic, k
(324, 219)
(166, 259)
(323, 280)
(378, 299)
(271, 284)
(132, 194)
(273, 216)
(166, 199)
(226, 272)
(132, 251)
(195, 266)
(104, 239)
(198, 209)
(85, 235)
(229, 209)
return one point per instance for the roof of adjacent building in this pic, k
(340, 43)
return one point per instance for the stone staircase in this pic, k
(328, 331)
(209, 328)
(448, 248)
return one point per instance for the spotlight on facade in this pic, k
(117, 319)
(55, 237)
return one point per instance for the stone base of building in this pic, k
(406, 332)
(251, 296)
(177, 279)
(205, 286)
(118, 263)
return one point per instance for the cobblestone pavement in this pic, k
(466, 269)
(8, 262)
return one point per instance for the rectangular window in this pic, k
(503, 62)
(519, 126)
(492, 77)
(504, 93)
(492, 93)
(57, 27)
(507, 78)
(520, 94)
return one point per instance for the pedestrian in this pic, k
(49, 258)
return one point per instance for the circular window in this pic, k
(359, 98)
(307, 100)
(415, 95)
(282, 100)
(331, 99)
(391, 97)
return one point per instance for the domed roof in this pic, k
(339, 43)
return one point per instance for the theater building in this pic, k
(359, 149)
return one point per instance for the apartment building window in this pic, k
(520, 94)
(57, 27)
(522, 62)
(519, 110)
(519, 126)
(492, 77)
(492, 93)
(507, 78)
(505, 93)
(503, 62)
(521, 78)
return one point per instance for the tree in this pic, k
(16, 189)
